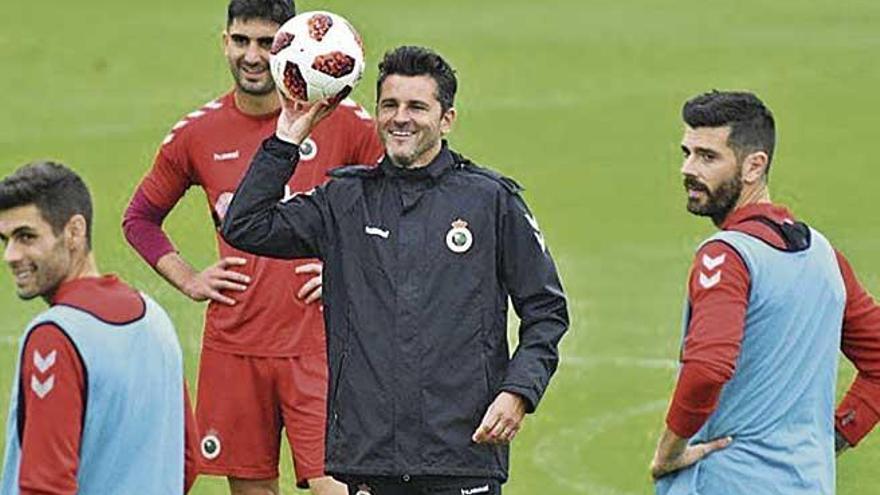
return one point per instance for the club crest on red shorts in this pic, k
(210, 446)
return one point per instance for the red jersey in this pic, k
(718, 292)
(53, 389)
(212, 148)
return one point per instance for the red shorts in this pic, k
(244, 402)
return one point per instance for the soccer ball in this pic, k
(316, 55)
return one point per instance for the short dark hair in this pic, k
(752, 127)
(57, 192)
(420, 61)
(278, 11)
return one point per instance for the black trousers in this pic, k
(428, 485)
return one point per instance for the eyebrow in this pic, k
(261, 39)
(700, 149)
(24, 229)
(408, 102)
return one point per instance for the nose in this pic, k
(401, 115)
(687, 166)
(253, 53)
(11, 253)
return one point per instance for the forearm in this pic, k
(695, 398)
(859, 411)
(176, 271)
(539, 300)
(675, 452)
(670, 447)
(544, 322)
(142, 227)
(257, 222)
(263, 184)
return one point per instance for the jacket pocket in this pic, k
(455, 400)
(335, 433)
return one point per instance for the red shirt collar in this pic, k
(71, 292)
(106, 297)
(776, 213)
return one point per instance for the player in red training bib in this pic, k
(263, 364)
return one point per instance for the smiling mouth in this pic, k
(402, 134)
(254, 71)
(22, 276)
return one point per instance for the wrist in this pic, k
(660, 467)
(288, 138)
(670, 447)
(840, 442)
(519, 401)
(188, 287)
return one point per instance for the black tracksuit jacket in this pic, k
(418, 267)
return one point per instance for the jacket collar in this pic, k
(444, 161)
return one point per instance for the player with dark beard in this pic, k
(770, 304)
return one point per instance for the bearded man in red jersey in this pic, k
(263, 364)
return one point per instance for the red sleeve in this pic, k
(172, 173)
(368, 148)
(53, 385)
(191, 443)
(142, 226)
(718, 293)
(161, 189)
(859, 410)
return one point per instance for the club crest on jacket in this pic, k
(459, 238)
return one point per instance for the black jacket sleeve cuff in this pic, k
(528, 395)
(281, 149)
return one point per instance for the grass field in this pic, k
(579, 100)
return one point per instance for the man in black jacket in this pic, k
(421, 255)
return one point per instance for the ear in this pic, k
(224, 41)
(755, 167)
(447, 120)
(75, 233)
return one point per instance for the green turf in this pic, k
(578, 100)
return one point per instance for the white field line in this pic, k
(571, 442)
(191, 343)
(559, 444)
(621, 361)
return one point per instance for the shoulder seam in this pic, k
(184, 121)
(508, 183)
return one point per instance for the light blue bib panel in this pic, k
(133, 432)
(779, 405)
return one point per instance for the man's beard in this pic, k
(719, 203)
(249, 88)
(406, 159)
(48, 274)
